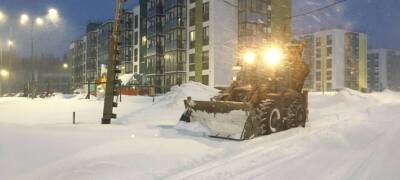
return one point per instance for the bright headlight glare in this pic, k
(273, 56)
(249, 57)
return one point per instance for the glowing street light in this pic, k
(2, 17)
(65, 66)
(53, 15)
(10, 43)
(24, 19)
(4, 73)
(39, 21)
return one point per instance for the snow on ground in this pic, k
(349, 136)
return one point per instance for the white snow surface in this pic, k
(349, 136)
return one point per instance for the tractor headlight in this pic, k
(249, 57)
(273, 56)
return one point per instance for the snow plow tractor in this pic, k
(265, 96)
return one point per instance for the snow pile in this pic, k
(192, 129)
(349, 135)
(195, 90)
(126, 78)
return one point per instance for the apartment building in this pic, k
(337, 59)
(170, 42)
(77, 61)
(383, 69)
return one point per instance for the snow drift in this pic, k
(349, 135)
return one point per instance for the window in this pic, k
(206, 36)
(192, 78)
(318, 41)
(144, 40)
(136, 21)
(318, 53)
(135, 69)
(192, 39)
(192, 16)
(329, 63)
(329, 86)
(205, 79)
(205, 60)
(318, 76)
(192, 64)
(329, 51)
(329, 40)
(135, 54)
(329, 75)
(136, 38)
(206, 11)
(318, 64)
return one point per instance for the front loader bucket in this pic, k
(227, 120)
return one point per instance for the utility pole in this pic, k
(113, 82)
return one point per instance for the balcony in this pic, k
(172, 3)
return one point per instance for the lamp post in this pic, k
(53, 17)
(4, 74)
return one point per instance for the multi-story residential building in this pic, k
(77, 60)
(136, 39)
(175, 43)
(308, 56)
(91, 54)
(104, 36)
(171, 42)
(383, 69)
(127, 42)
(212, 41)
(338, 59)
(155, 44)
(219, 31)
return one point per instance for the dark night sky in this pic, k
(380, 19)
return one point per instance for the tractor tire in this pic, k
(296, 114)
(269, 117)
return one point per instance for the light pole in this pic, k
(53, 17)
(4, 74)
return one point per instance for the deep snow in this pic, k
(349, 136)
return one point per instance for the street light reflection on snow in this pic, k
(39, 21)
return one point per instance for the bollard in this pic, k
(73, 118)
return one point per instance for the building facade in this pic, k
(337, 59)
(170, 42)
(383, 69)
(77, 61)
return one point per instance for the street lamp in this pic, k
(39, 21)
(65, 66)
(10, 43)
(3, 17)
(24, 19)
(4, 73)
(53, 15)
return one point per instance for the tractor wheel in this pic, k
(296, 114)
(269, 117)
(301, 117)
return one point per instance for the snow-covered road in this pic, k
(349, 136)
